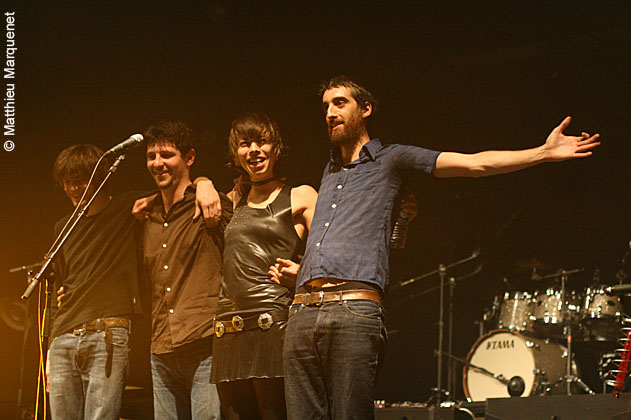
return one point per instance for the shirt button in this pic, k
(170, 311)
(166, 267)
(318, 244)
(164, 245)
(327, 224)
(165, 224)
(168, 289)
(333, 206)
(339, 187)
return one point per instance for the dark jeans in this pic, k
(332, 353)
(181, 383)
(87, 375)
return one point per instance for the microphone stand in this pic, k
(65, 233)
(27, 327)
(442, 272)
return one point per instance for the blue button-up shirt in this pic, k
(350, 232)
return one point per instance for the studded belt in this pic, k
(318, 298)
(237, 323)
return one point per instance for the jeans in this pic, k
(332, 354)
(181, 383)
(87, 375)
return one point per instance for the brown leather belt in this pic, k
(102, 324)
(318, 298)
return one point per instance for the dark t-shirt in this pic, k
(98, 266)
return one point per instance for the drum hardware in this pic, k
(442, 272)
(606, 365)
(621, 289)
(532, 345)
(533, 264)
(569, 378)
(622, 359)
(514, 385)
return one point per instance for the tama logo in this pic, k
(500, 344)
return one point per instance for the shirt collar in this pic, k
(158, 204)
(367, 152)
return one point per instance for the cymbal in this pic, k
(533, 264)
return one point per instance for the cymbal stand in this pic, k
(567, 332)
(442, 272)
(450, 339)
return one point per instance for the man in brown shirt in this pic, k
(183, 262)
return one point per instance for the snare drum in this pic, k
(516, 311)
(538, 362)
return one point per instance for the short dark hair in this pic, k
(254, 126)
(359, 93)
(77, 163)
(174, 133)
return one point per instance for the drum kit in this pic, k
(525, 347)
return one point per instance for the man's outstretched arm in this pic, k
(557, 147)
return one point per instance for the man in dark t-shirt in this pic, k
(98, 269)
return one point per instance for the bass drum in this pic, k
(538, 362)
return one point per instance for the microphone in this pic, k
(132, 141)
(619, 290)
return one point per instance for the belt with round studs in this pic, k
(237, 323)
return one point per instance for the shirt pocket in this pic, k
(363, 177)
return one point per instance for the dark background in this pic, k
(462, 76)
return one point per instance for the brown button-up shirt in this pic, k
(183, 263)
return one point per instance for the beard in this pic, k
(349, 133)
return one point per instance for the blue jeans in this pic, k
(181, 383)
(332, 353)
(87, 375)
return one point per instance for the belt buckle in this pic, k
(321, 293)
(237, 323)
(220, 329)
(79, 331)
(265, 321)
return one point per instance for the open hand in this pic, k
(561, 147)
